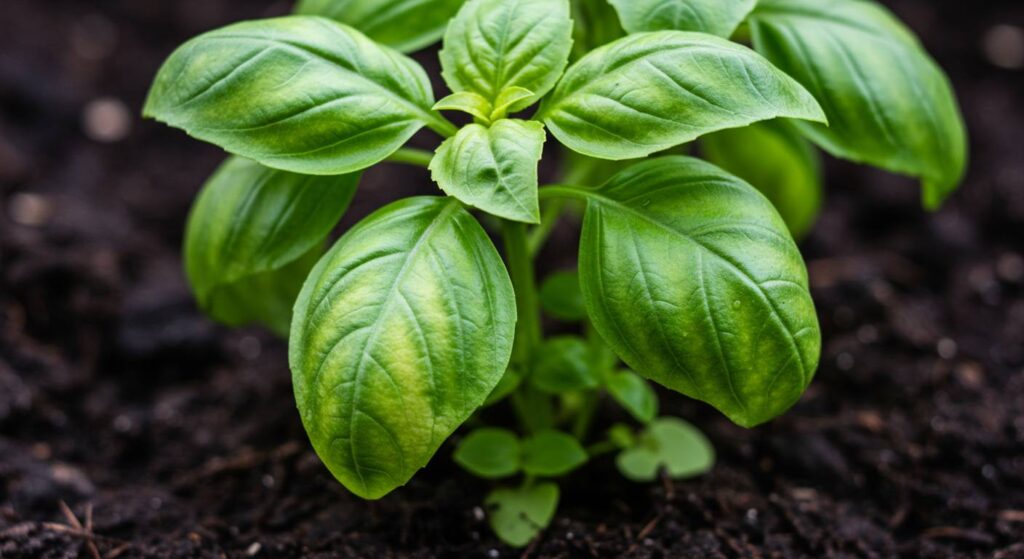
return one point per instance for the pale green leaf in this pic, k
(407, 25)
(518, 515)
(774, 158)
(634, 394)
(468, 102)
(888, 103)
(298, 93)
(562, 364)
(253, 235)
(691, 276)
(560, 296)
(493, 169)
(512, 100)
(489, 453)
(717, 17)
(668, 443)
(400, 333)
(493, 45)
(552, 453)
(648, 92)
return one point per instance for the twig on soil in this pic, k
(85, 531)
(955, 533)
(242, 462)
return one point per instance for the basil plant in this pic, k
(688, 273)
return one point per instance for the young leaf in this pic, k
(560, 296)
(253, 235)
(510, 100)
(400, 333)
(888, 103)
(717, 17)
(596, 24)
(563, 364)
(493, 169)
(634, 394)
(668, 443)
(648, 92)
(468, 102)
(774, 158)
(552, 453)
(489, 453)
(298, 93)
(406, 25)
(518, 515)
(493, 45)
(508, 384)
(690, 275)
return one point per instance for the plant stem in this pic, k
(548, 221)
(520, 263)
(411, 156)
(441, 125)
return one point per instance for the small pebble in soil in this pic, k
(268, 481)
(253, 549)
(493, 553)
(1010, 268)
(478, 514)
(250, 348)
(947, 348)
(845, 361)
(32, 210)
(106, 120)
(1004, 46)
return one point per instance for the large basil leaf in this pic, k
(400, 333)
(648, 92)
(493, 45)
(717, 17)
(690, 276)
(253, 235)
(774, 158)
(888, 103)
(494, 169)
(406, 25)
(298, 93)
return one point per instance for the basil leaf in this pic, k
(717, 17)
(563, 364)
(774, 158)
(253, 235)
(668, 443)
(689, 274)
(492, 45)
(888, 103)
(489, 453)
(297, 93)
(596, 24)
(406, 25)
(493, 169)
(648, 92)
(400, 333)
(634, 394)
(467, 102)
(518, 515)
(508, 384)
(560, 296)
(552, 453)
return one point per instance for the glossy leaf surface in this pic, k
(253, 235)
(406, 25)
(298, 93)
(668, 443)
(400, 333)
(888, 103)
(690, 275)
(717, 17)
(634, 394)
(648, 92)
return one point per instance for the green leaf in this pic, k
(493, 169)
(717, 17)
(648, 92)
(690, 275)
(493, 45)
(562, 364)
(467, 102)
(596, 24)
(560, 296)
(552, 453)
(668, 443)
(400, 333)
(634, 394)
(518, 515)
(509, 382)
(774, 158)
(298, 93)
(511, 100)
(489, 453)
(406, 25)
(888, 103)
(253, 235)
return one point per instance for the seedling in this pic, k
(688, 272)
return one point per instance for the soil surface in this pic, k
(168, 436)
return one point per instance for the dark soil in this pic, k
(168, 436)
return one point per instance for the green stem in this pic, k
(441, 125)
(411, 156)
(548, 220)
(520, 263)
(603, 447)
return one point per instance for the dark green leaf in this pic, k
(560, 296)
(254, 234)
(634, 394)
(400, 333)
(668, 443)
(509, 382)
(717, 17)
(552, 453)
(690, 275)
(563, 364)
(596, 24)
(888, 103)
(406, 25)
(489, 453)
(518, 515)
(299, 93)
